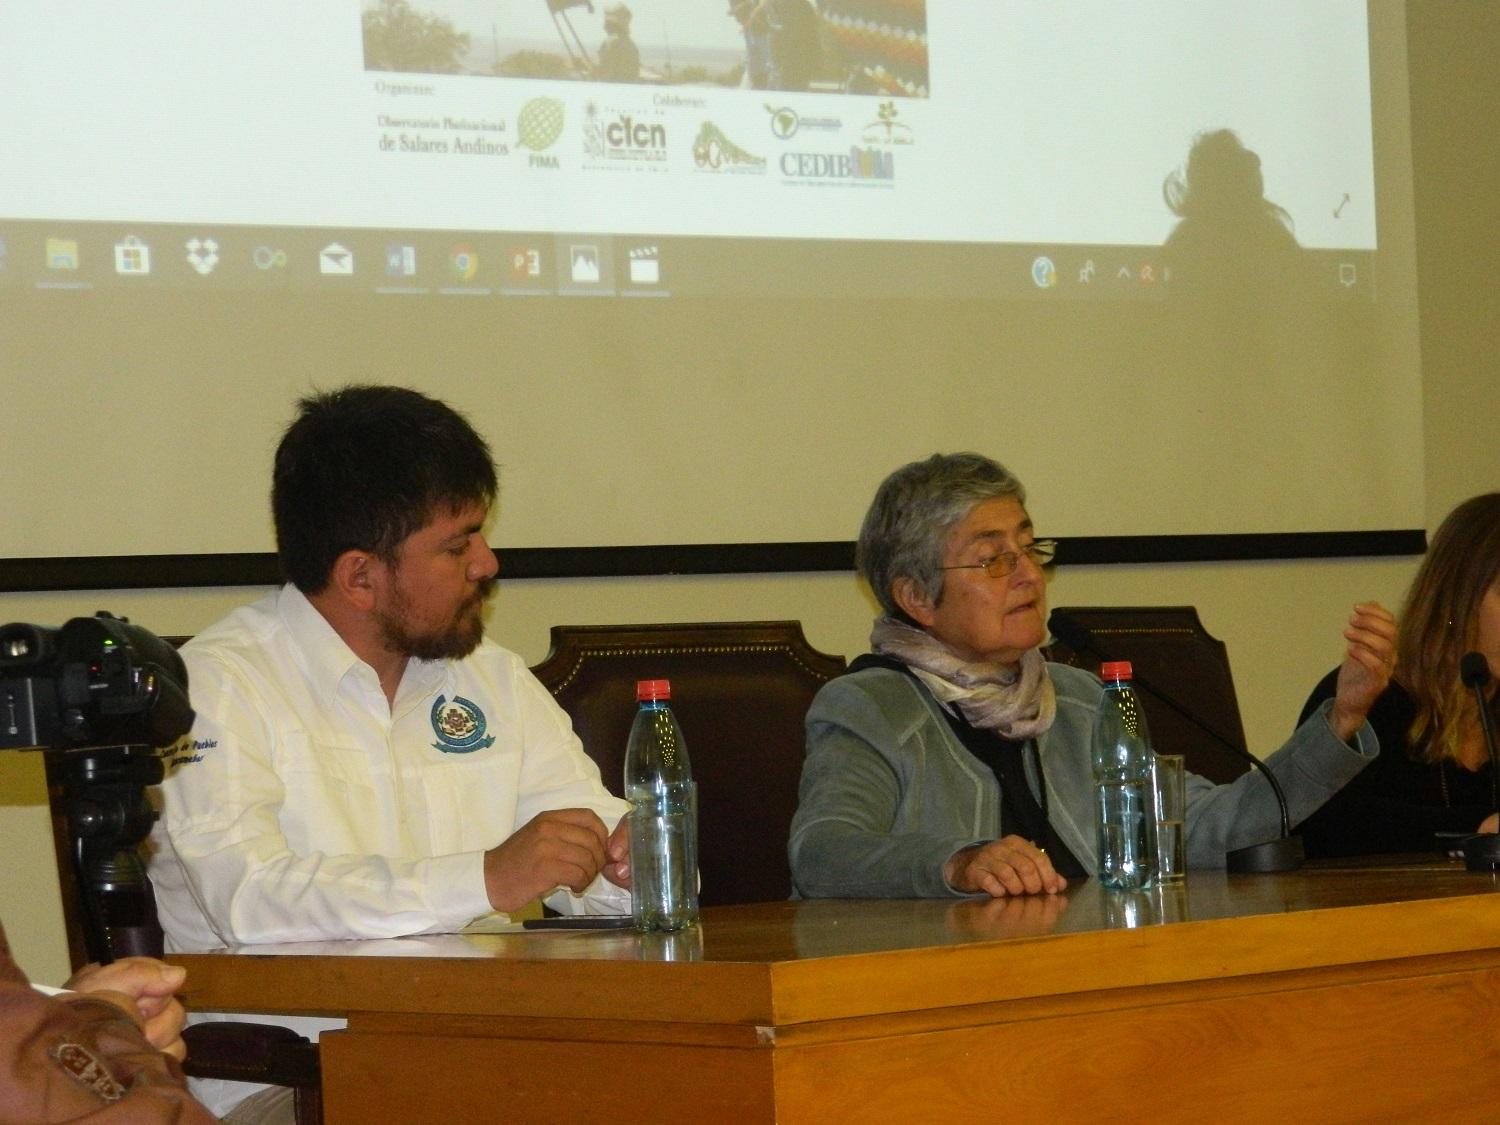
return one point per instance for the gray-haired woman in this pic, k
(955, 760)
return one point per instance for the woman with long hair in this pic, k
(1433, 774)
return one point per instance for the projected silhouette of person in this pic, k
(782, 46)
(619, 57)
(1228, 235)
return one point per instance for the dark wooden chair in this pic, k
(740, 691)
(1170, 652)
(235, 1051)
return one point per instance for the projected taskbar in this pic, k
(85, 256)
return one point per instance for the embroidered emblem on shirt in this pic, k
(83, 1067)
(184, 752)
(459, 725)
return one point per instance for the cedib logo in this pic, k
(459, 726)
(867, 165)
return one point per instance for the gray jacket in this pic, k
(888, 792)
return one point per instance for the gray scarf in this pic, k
(1017, 703)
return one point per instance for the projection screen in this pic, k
(1155, 256)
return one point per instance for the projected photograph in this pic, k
(460, 148)
(876, 47)
(1155, 233)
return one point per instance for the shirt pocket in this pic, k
(330, 786)
(470, 800)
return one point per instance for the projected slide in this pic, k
(705, 271)
(563, 147)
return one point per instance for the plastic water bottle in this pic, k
(663, 815)
(1124, 805)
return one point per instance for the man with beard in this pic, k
(364, 762)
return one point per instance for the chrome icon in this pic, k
(465, 261)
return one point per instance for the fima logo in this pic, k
(538, 126)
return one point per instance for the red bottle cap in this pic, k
(1115, 670)
(655, 689)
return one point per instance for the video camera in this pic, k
(97, 681)
(98, 696)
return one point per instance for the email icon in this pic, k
(334, 258)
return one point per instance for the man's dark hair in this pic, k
(363, 467)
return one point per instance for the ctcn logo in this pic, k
(629, 133)
(623, 138)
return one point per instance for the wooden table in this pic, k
(1337, 994)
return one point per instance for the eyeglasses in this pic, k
(1003, 565)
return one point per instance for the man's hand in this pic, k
(557, 848)
(1011, 865)
(617, 852)
(1368, 663)
(144, 987)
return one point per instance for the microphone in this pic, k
(1282, 854)
(1482, 850)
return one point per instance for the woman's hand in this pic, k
(1490, 823)
(1011, 865)
(1013, 916)
(1369, 661)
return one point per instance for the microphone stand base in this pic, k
(1284, 854)
(1482, 852)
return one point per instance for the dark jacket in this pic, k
(1399, 803)
(78, 1058)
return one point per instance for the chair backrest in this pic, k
(1173, 654)
(740, 691)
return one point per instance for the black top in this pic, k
(1396, 803)
(1021, 814)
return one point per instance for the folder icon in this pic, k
(62, 254)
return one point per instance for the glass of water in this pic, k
(1170, 787)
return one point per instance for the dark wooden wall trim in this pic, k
(137, 572)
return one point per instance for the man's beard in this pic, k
(453, 642)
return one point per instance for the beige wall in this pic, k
(1274, 666)
(1281, 620)
(1455, 91)
(29, 903)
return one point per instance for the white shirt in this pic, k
(306, 808)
